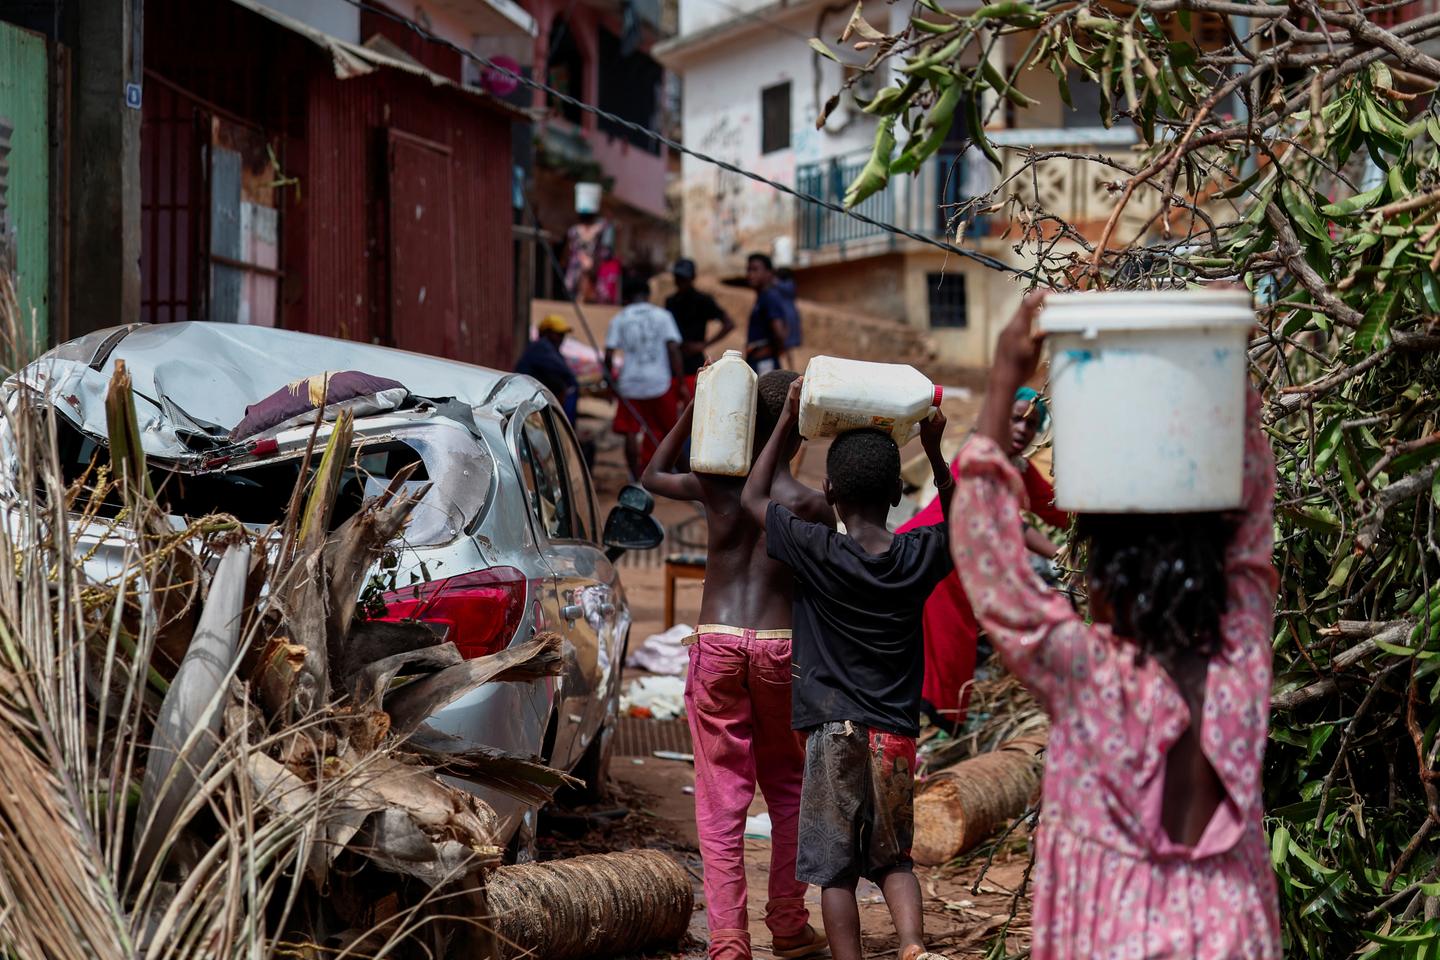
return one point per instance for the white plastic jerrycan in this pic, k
(840, 395)
(724, 424)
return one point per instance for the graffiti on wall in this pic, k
(727, 215)
(725, 139)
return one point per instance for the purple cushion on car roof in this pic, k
(295, 403)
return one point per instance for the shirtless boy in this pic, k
(737, 694)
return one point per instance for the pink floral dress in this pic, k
(1109, 883)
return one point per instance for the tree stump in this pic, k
(960, 806)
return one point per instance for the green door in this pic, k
(25, 176)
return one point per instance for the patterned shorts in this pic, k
(857, 814)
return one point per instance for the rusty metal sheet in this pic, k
(422, 246)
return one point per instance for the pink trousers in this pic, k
(737, 698)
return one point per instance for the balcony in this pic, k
(923, 203)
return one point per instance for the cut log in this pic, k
(604, 905)
(960, 806)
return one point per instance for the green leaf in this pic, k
(1374, 330)
(1279, 844)
(1299, 853)
(934, 58)
(876, 172)
(819, 47)
(977, 136)
(1392, 256)
(1303, 212)
(1009, 10)
(937, 127)
(998, 83)
(1399, 651)
(1341, 573)
(927, 26)
(1062, 79)
(1182, 54)
(1351, 205)
(1326, 444)
(1079, 59)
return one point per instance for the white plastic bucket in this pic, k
(1148, 391)
(723, 433)
(587, 197)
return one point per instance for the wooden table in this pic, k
(680, 566)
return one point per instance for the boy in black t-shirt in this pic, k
(858, 662)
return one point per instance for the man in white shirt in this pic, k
(647, 383)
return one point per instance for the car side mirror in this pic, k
(630, 525)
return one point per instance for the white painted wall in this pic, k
(697, 15)
(335, 17)
(727, 216)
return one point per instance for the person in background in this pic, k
(857, 668)
(694, 311)
(767, 330)
(951, 631)
(543, 360)
(588, 245)
(1153, 842)
(648, 383)
(785, 286)
(737, 692)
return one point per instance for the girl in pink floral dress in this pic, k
(1151, 843)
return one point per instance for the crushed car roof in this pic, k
(193, 380)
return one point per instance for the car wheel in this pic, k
(594, 769)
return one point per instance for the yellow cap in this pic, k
(554, 323)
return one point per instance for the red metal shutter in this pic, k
(422, 247)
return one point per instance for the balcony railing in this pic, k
(828, 180)
(925, 204)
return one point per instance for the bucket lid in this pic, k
(1094, 311)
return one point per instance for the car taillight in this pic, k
(479, 611)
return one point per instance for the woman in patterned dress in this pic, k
(1151, 843)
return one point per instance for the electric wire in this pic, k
(981, 258)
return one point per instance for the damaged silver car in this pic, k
(506, 542)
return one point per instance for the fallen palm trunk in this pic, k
(605, 905)
(960, 806)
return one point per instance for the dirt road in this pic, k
(653, 802)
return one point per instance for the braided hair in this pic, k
(1162, 575)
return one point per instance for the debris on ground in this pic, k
(758, 827)
(663, 653)
(658, 698)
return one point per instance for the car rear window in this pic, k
(457, 470)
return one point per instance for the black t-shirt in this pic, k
(693, 311)
(859, 647)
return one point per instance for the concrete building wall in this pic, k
(639, 177)
(727, 216)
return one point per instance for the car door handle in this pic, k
(572, 612)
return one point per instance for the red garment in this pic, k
(951, 631)
(1041, 494)
(652, 419)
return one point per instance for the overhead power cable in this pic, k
(982, 258)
